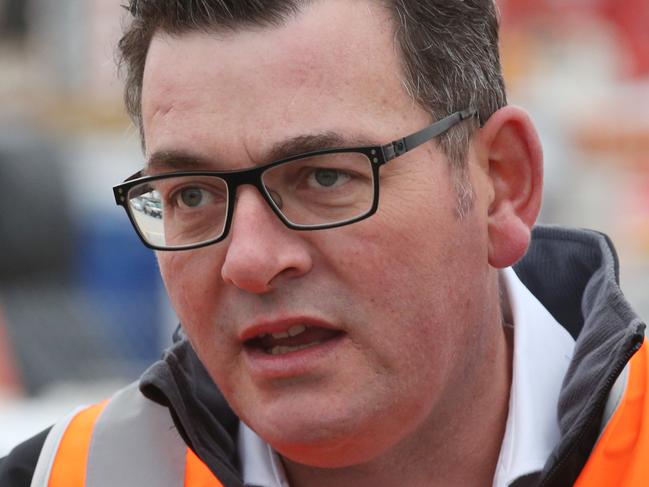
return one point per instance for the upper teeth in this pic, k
(296, 330)
(291, 332)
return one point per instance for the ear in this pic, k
(512, 151)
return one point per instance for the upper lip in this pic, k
(265, 327)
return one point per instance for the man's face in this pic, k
(392, 305)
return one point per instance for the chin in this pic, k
(328, 455)
(338, 445)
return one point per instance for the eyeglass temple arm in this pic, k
(401, 146)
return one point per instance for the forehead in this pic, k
(333, 68)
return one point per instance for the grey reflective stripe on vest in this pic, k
(134, 444)
(48, 452)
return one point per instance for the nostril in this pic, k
(256, 285)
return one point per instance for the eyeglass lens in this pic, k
(319, 190)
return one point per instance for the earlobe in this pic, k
(515, 167)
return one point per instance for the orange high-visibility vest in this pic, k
(620, 457)
(126, 441)
(129, 441)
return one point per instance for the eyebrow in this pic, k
(174, 160)
(178, 160)
(306, 143)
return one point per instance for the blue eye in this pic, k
(327, 177)
(192, 197)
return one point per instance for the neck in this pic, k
(459, 444)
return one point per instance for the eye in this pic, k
(192, 197)
(328, 177)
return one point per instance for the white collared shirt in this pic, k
(542, 353)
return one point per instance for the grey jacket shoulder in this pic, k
(17, 468)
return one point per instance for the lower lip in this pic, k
(292, 364)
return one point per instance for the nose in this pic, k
(262, 251)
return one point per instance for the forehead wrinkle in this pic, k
(248, 128)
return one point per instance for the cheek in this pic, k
(190, 279)
(420, 276)
(409, 252)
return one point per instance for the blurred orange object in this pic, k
(9, 380)
(629, 19)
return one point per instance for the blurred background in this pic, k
(82, 309)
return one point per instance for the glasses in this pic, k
(322, 189)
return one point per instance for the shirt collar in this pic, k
(260, 465)
(542, 353)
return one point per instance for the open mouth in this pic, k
(294, 339)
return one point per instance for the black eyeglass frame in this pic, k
(377, 155)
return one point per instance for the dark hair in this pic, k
(450, 53)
